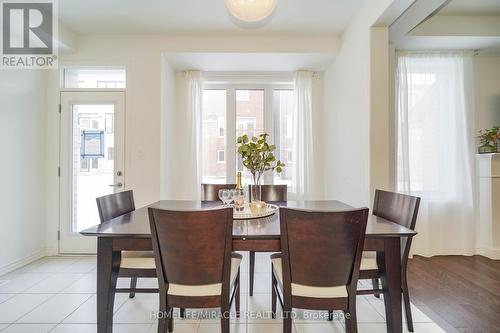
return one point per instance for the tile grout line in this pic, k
(75, 309)
(53, 295)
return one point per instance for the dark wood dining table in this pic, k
(132, 232)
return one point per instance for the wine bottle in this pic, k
(239, 195)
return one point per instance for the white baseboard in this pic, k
(489, 253)
(51, 251)
(21, 262)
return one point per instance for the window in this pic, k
(84, 164)
(231, 110)
(249, 120)
(84, 123)
(213, 117)
(283, 133)
(109, 119)
(88, 77)
(221, 122)
(221, 156)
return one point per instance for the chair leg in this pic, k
(287, 320)
(330, 315)
(171, 321)
(133, 285)
(274, 296)
(376, 285)
(225, 318)
(183, 313)
(406, 300)
(164, 315)
(351, 322)
(252, 271)
(237, 296)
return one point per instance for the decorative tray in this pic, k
(247, 214)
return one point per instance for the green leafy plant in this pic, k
(489, 138)
(258, 155)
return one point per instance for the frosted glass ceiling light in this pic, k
(251, 10)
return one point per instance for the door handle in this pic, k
(117, 185)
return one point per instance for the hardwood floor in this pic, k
(461, 294)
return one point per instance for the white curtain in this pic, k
(184, 147)
(435, 148)
(303, 149)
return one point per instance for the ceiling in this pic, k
(471, 7)
(201, 16)
(448, 24)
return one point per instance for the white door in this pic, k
(91, 161)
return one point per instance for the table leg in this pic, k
(108, 266)
(391, 283)
(252, 270)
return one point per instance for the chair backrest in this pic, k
(192, 247)
(398, 208)
(273, 192)
(116, 204)
(210, 192)
(322, 249)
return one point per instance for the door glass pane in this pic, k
(283, 133)
(214, 136)
(101, 78)
(249, 120)
(92, 161)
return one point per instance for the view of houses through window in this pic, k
(231, 111)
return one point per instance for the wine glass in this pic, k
(224, 196)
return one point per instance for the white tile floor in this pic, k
(57, 294)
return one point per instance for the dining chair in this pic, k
(269, 193)
(195, 264)
(319, 264)
(210, 192)
(134, 264)
(401, 209)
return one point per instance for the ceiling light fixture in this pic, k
(251, 10)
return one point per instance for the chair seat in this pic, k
(206, 289)
(369, 261)
(309, 291)
(138, 260)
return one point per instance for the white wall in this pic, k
(487, 112)
(22, 190)
(168, 105)
(382, 161)
(487, 90)
(347, 119)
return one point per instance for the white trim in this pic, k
(21, 262)
(52, 251)
(248, 77)
(93, 90)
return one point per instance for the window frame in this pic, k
(230, 134)
(75, 66)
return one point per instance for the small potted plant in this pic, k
(258, 157)
(489, 140)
